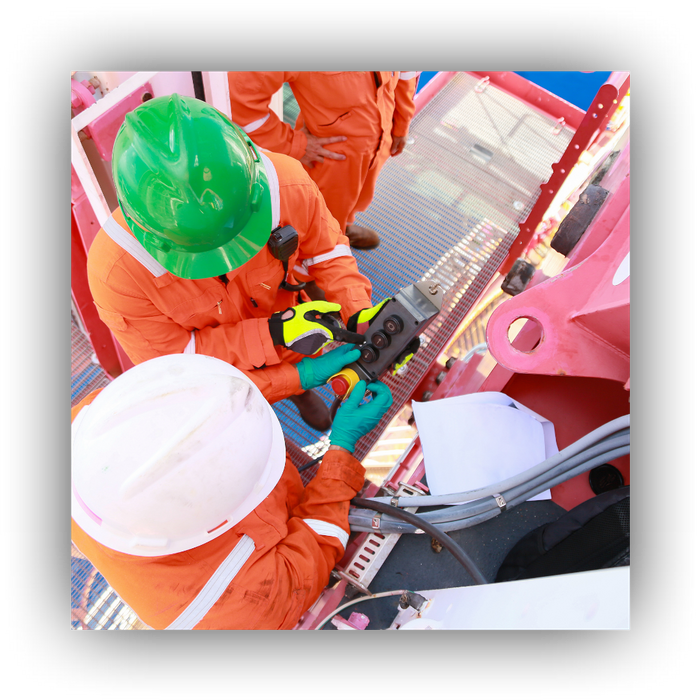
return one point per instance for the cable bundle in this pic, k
(602, 445)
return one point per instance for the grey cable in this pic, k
(512, 498)
(474, 507)
(619, 424)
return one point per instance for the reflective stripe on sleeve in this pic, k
(256, 124)
(274, 189)
(340, 251)
(191, 347)
(215, 586)
(409, 76)
(128, 243)
(321, 527)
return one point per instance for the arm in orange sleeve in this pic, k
(404, 107)
(324, 252)
(144, 332)
(250, 93)
(317, 533)
(338, 276)
(343, 283)
(276, 379)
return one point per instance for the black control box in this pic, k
(403, 318)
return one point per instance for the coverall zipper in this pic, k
(224, 280)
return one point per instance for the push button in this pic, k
(344, 382)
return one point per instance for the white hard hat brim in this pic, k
(91, 524)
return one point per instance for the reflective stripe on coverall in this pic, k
(365, 106)
(264, 573)
(153, 313)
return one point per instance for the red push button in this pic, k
(340, 385)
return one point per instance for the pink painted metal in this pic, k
(103, 130)
(618, 171)
(592, 125)
(537, 97)
(328, 601)
(591, 299)
(82, 95)
(598, 312)
(575, 404)
(358, 620)
(583, 312)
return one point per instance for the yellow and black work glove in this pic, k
(405, 357)
(306, 328)
(359, 322)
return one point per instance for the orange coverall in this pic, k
(366, 106)
(281, 579)
(153, 315)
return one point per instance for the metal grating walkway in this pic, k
(448, 209)
(86, 374)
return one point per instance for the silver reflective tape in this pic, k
(256, 124)
(274, 189)
(128, 243)
(321, 527)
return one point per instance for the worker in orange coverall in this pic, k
(183, 498)
(187, 263)
(350, 122)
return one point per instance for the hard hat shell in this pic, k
(192, 187)
(173, 453)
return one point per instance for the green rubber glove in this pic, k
(355, 419)
(359, 322)
(316, 371)
(301, 329)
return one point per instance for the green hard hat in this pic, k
(192, 187)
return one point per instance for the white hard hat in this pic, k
(172, 454)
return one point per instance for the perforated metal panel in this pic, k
(86, 375)
(448, 209)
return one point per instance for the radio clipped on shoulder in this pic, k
(282, 244)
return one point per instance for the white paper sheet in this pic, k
(476, 440)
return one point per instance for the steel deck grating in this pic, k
(86, 375)
(448, 209)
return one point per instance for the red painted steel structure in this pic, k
(591, 126)
(577, 391)
(588, 125)
(84, 227)
(579, 387)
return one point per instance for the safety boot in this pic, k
(313, 410)
(361, 237)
